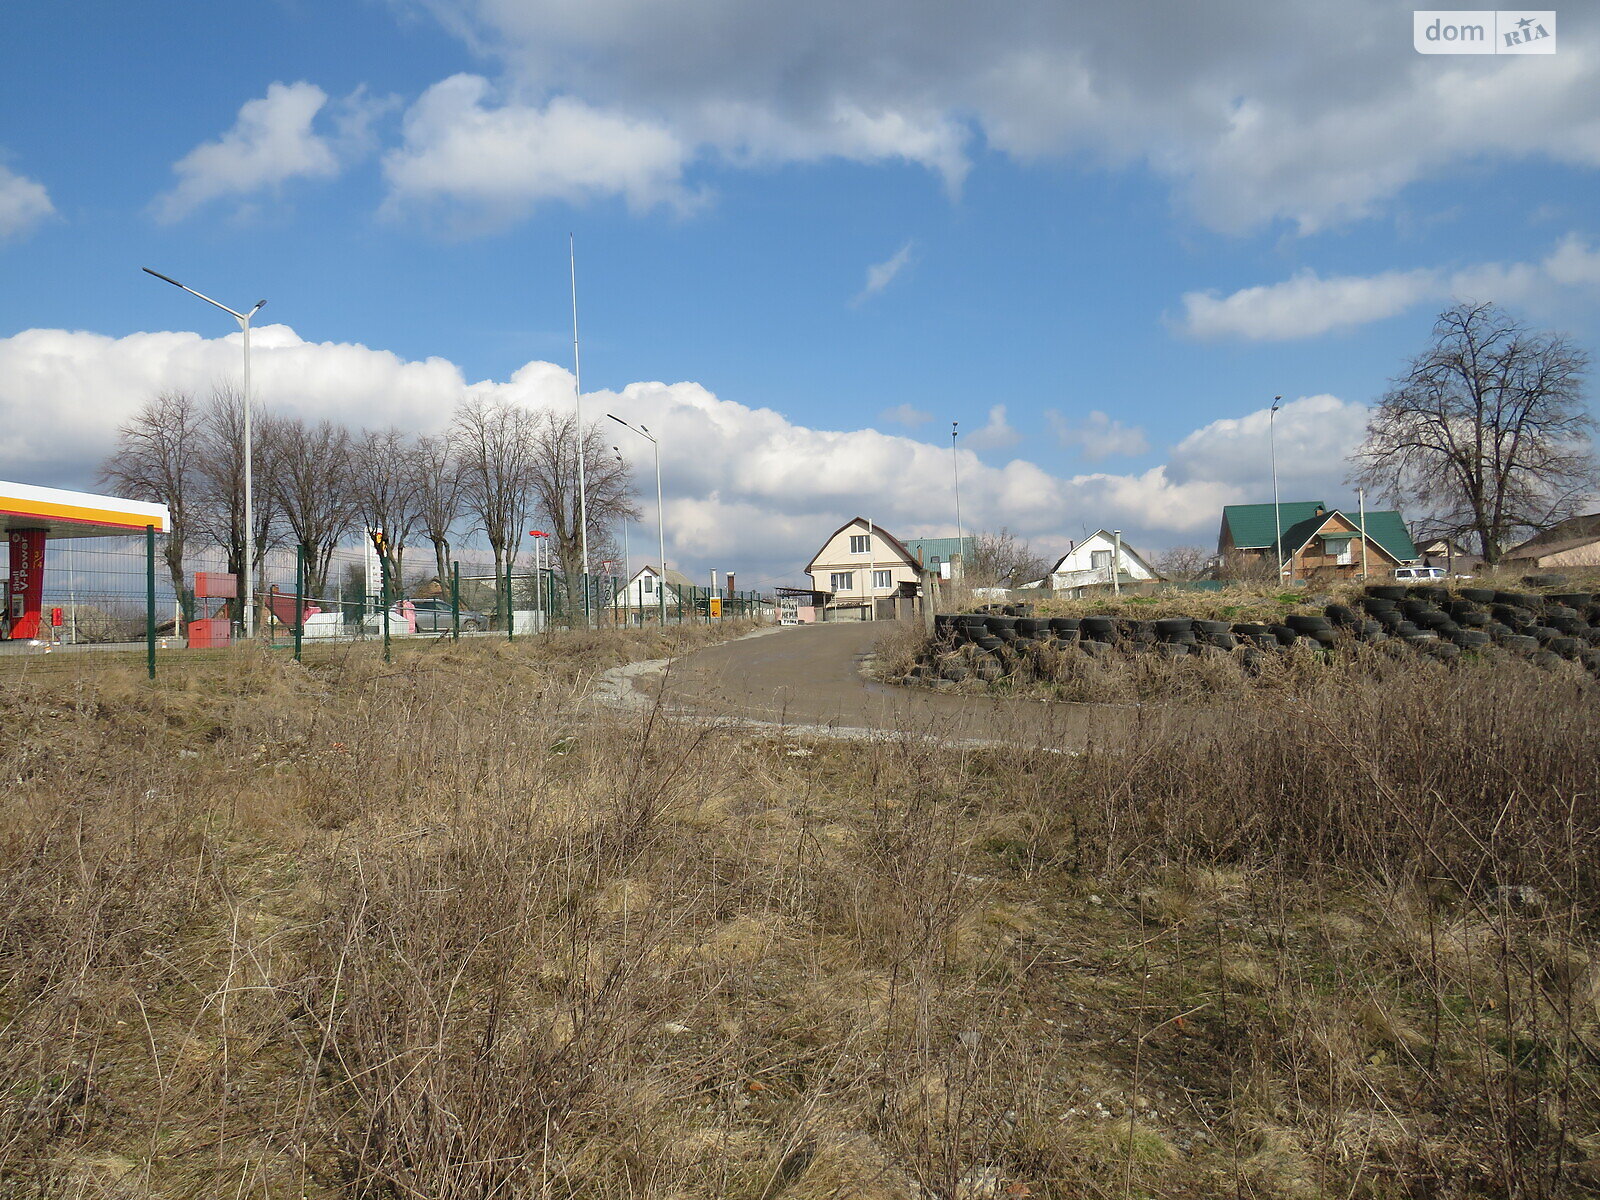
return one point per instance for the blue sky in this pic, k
(1129, 227)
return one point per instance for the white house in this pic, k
(1089, 562)
(861, 561)
(645, 588)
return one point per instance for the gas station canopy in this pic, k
(62, 514)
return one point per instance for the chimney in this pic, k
(730, 585)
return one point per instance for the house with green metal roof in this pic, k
(1312, 540)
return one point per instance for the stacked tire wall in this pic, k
(1439, 623)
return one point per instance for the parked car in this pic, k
(1414, 574)
(433, 616)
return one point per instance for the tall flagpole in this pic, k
(577, 387)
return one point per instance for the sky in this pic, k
(809, 237)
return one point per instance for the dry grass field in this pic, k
(444, 929)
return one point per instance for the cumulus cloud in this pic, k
(272, 142)
(907, 414)
(746, 489)
(1307, 304)
(24, 203)
(500, 158)
(881, 275)
(1315, 435)
(1098, 436)
(1196, 93)
(996, 434)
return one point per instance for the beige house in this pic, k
(861, 561)
(1574, 542)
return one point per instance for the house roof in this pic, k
(941, 548)
(1572, 531)
(1126, 549)
(1531, 551)
(1255, 526)
(889, 540)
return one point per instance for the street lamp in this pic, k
(955, 470)
(249, 482)
(661, 585)
(627, 555)
(1277, 511)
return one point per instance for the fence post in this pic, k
(455, 602)
(299, 598)
(150, 599)
(511, 620)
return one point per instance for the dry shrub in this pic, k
(440, 928)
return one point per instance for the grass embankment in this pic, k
(439, 930)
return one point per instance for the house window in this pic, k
(842, 581)
(933, 563)
(860, 543)
(882, 580)
(1100, 560)
(647, 585)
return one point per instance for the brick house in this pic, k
(1317, 542)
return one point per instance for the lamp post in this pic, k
(661, 537)
(1277, 511)
(249, 493)
(627, 555)
(955, 470)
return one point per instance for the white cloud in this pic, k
(271, 143)
(1314, 436)
(747, 489)
(24, 203)
(1098, 436)
(1307, 304)
(997, 434)
(906, 414)
(499, 159)
(1197, 93)
(881, 275)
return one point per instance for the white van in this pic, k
(1419, 573)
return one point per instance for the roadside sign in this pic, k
(716, 607)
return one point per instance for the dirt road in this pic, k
(811, 676)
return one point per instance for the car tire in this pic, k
(472, 627)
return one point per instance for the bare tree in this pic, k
(1182, 562)
(308, 474)
(384, 488)
(494, 447)
(1487, 431)
(155, 460)
(219, 515)
(1003, 560)
(437, 477)
(608, 489)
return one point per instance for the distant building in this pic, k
(645, 588)
(1316, 540)
(1449, 554)
(945, 557)
(1574, 542)
(1091, 562)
